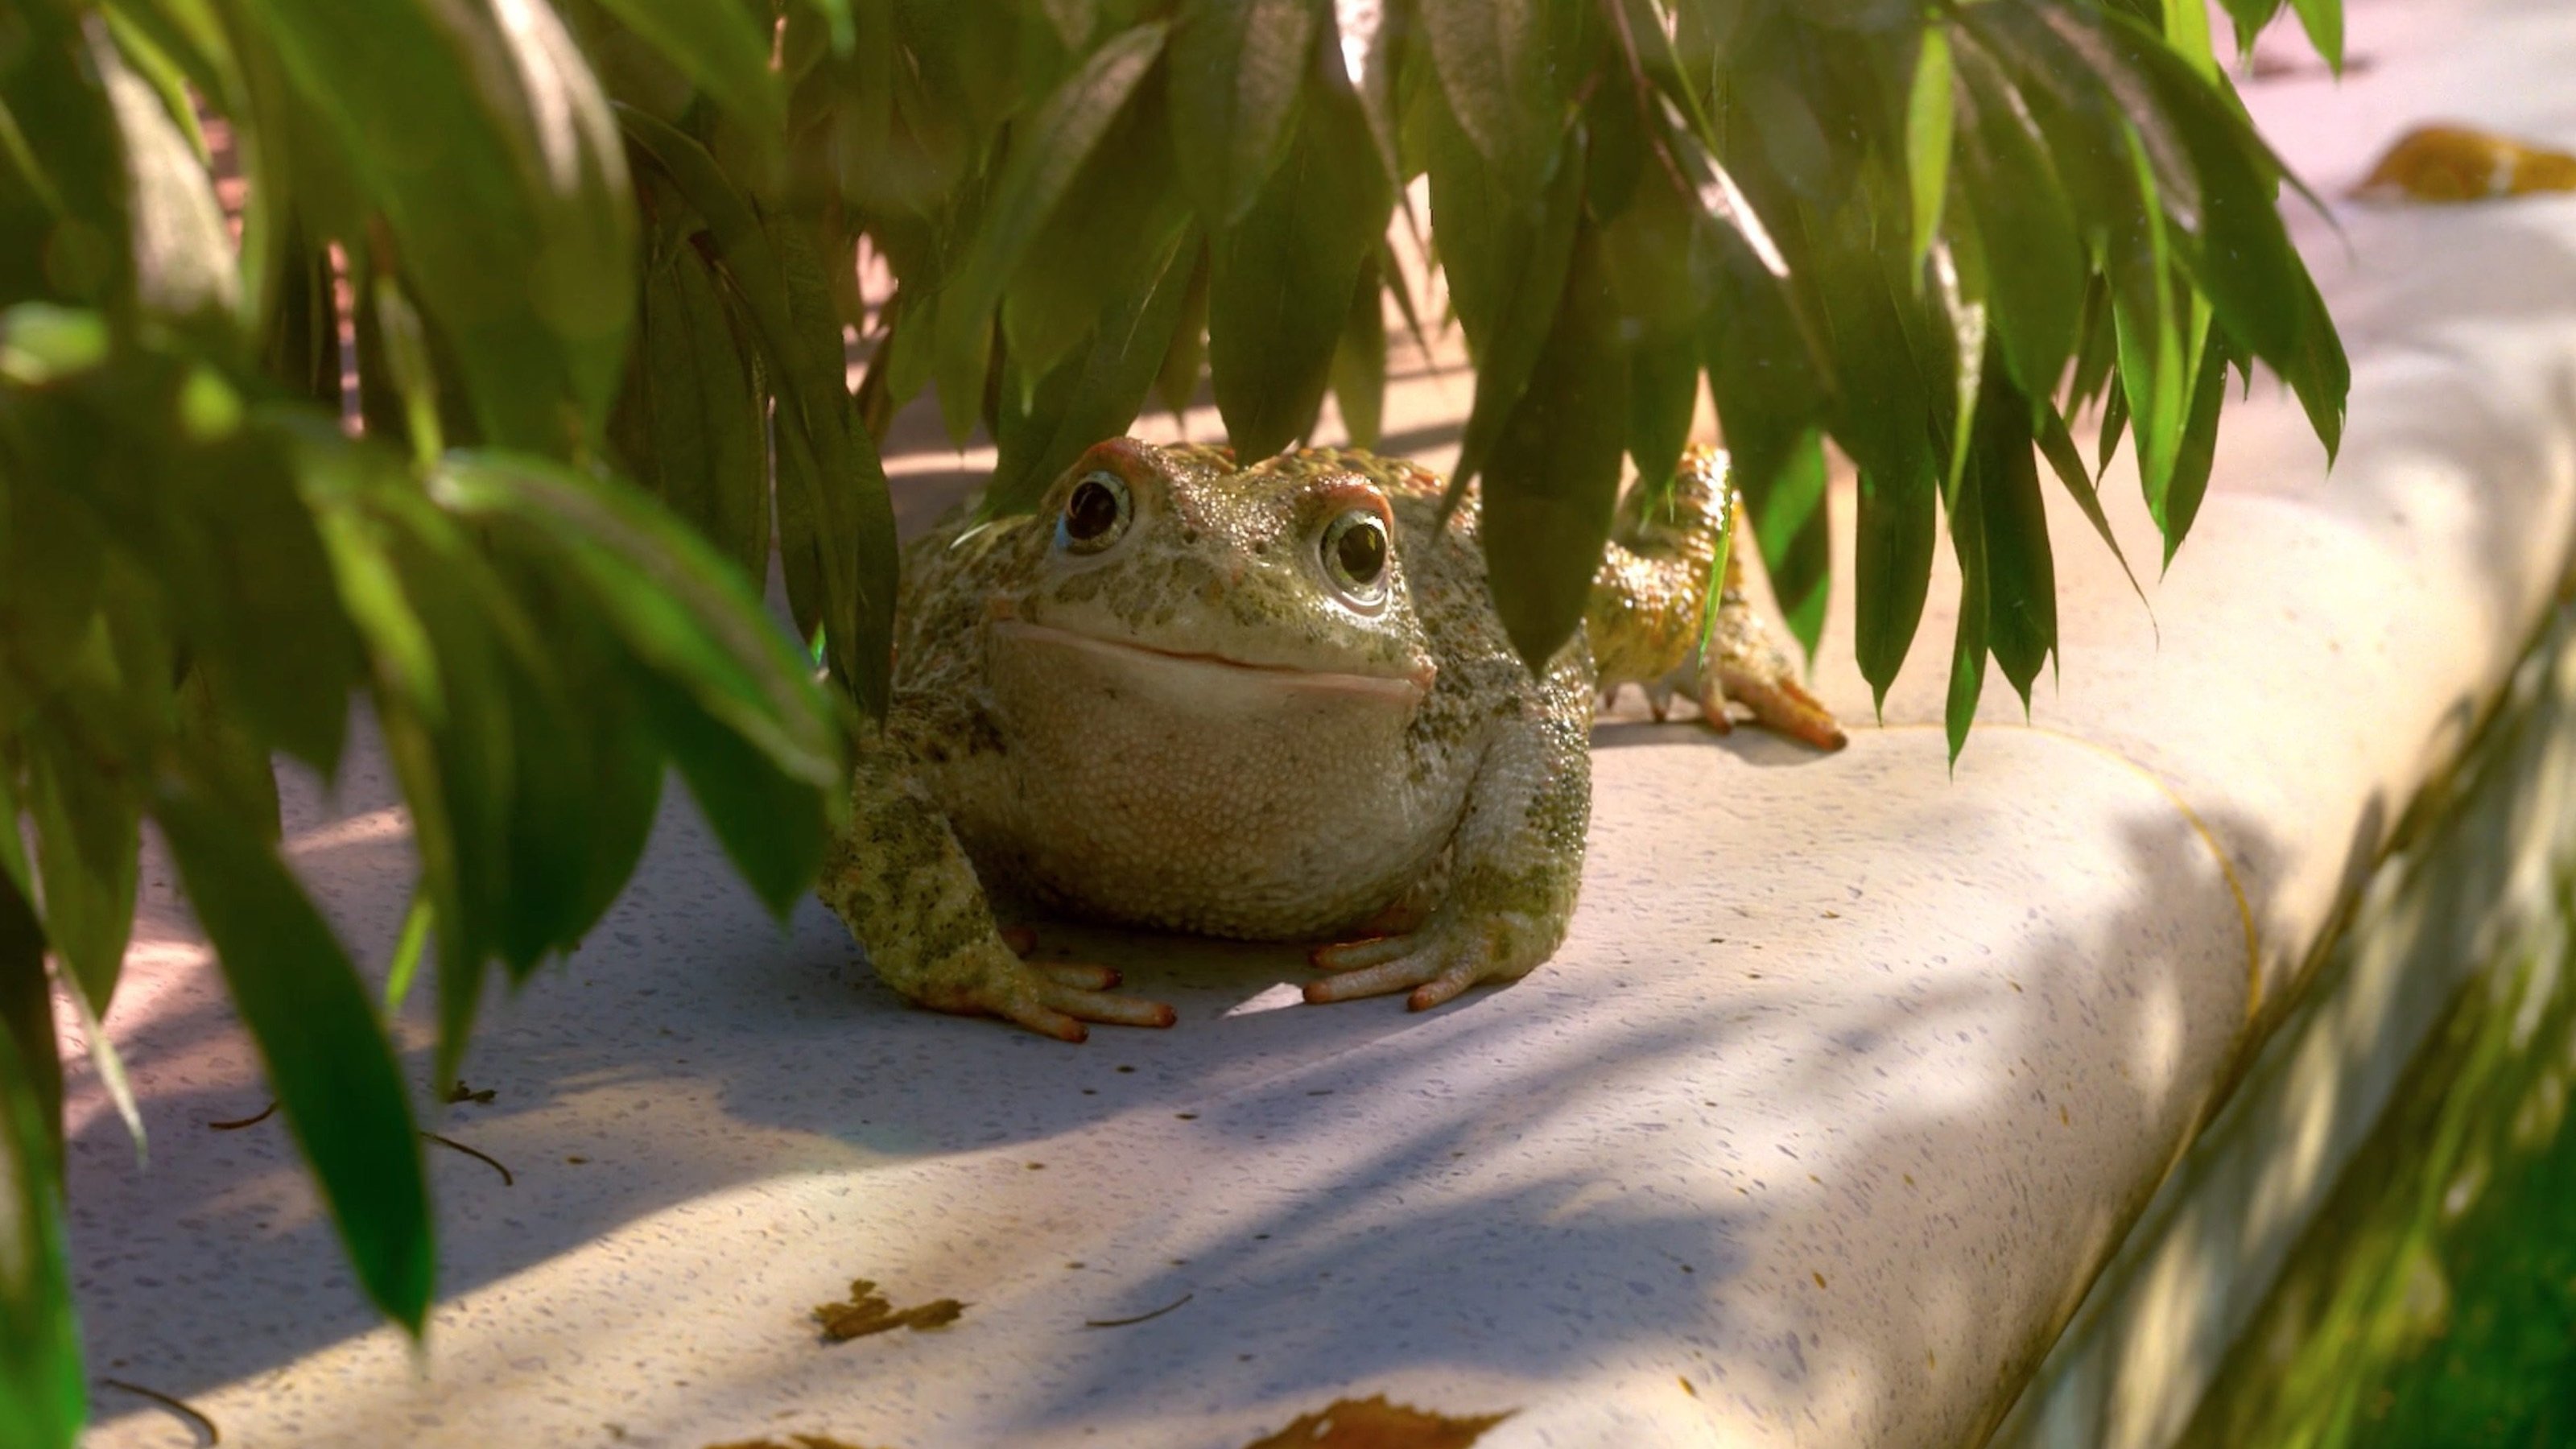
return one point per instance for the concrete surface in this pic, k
(1848, 1082)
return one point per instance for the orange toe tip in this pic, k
(1166, 1017)
(1316, 995)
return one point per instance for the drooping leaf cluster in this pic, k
(201, 568)
(1929, 232)
(597, 264)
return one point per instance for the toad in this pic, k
(1267, 702)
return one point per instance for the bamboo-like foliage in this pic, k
(597, 262)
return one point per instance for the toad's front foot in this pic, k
(1050, 998)
(1435, 964)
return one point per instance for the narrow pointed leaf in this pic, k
(1237, 71)
(1095, 394)
(1928, 122)
(2058, 447)
(87, 851)
(1282, 280)
(1969, 644)
(2021, 578)
(42, 1398)
(2035, 283)
(1047, 153)
(1552, 486)
(327, 1057)
(1359, 359)
(1500, 76)
(722, 49)
(2198, 447)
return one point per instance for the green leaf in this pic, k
(183, 258)
(2021, 579)
(1770, 404)
(87, 853)
(1552, 487)
(1648, 252)
(223, 750)
(1506, 262)
(1095, 394)
(669, 597)
(2115, 421)
(2187, 31)
(2198, 447)
(2154, 367)
(328, 1060)
(845, 487)
(2035, 286)
(405, 963)
(2240, 253)
(723, 49)
(1891, 573)
(835, 523)
(1047, 154)
(1237, 73)
(773, 826)
(1792, 526)
(689, 425)
(64, 226)
(1500, 73)
(1177, 381)
(2323, 21)
(1928, 122)
(1359, 359)
(42, 1399)
(2059, 449)
(1282, 280)
(1969, 644)
(1104, 240)
(27, 1019)
(436, 112)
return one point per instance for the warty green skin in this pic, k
(1198, 728)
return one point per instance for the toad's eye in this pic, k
(1095, 514)
(1355, 555)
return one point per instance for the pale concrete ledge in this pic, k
(1852, 1077)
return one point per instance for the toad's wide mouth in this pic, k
(1402, 689)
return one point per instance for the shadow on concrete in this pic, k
(691, 1047)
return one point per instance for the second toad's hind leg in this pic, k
(1742, 664)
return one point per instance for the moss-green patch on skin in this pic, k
(1269, 702)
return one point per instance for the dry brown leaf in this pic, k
(1373, 1423)
(2458, 163)
(869, 1311)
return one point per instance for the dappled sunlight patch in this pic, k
(1374, 1423)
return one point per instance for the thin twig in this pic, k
(180, 1407)
(236, 1125)
(506, 1179)
(1139, 1318)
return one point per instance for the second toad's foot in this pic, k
(1434, 964)
(1743, 665)
(1050, 998)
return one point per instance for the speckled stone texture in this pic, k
(1850, 1077)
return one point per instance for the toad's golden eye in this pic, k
(1355, 554)
(1095, 514)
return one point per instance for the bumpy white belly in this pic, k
(1197, 795)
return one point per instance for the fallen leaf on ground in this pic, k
(869, 1311)
(1373, 1423)
(2459, 163)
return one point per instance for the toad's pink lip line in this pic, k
(1406, 689)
